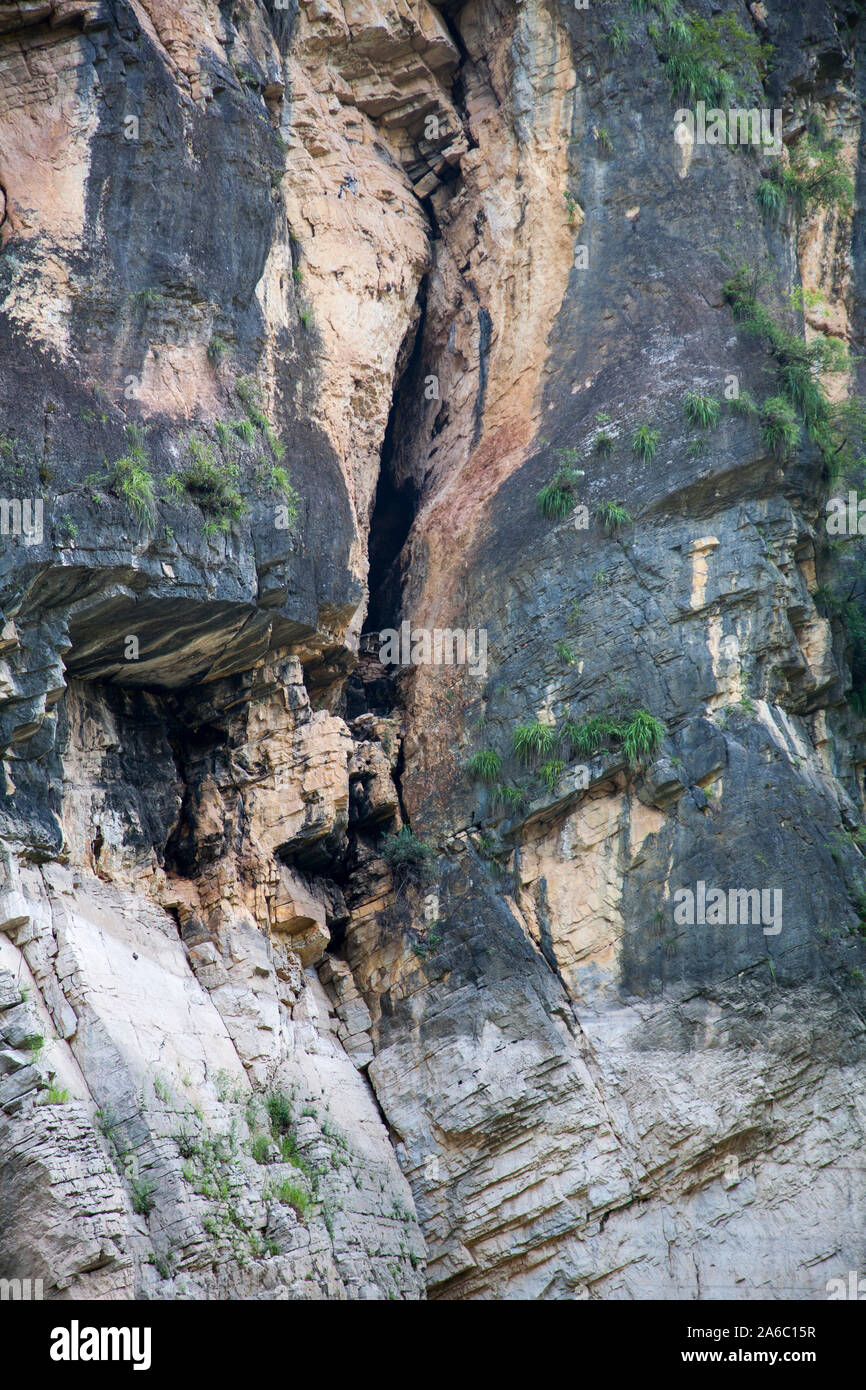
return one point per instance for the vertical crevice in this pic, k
(393, 513)
(485, 335)
(397, 496)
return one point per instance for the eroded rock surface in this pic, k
(299, 308)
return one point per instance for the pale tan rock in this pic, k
(301, 917)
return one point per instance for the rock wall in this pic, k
(301, 306)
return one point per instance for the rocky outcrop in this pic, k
(180, 1118)
(301, 306)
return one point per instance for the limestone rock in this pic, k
(409, 261)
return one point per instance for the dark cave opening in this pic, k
(372, 687)
(397, 492)
(393, 513)
(193, 747)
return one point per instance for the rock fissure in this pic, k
(414, 261)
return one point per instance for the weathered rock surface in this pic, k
(244, 1052)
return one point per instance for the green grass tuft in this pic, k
(261, 1148)
(550, 771)
(485, 765)
(512, 797)
(707, 59)
(143, 1200)
(557, 498)
(771, 197)
(612, 515)
(409, 858)
(618, 36)
(289, 1194)
(130, 476)
(604, 138)
(816, 175)
(245, 430)
(590, 735)
(209, 483)
(217, 349)
(702, 412)
(645, 443)
(641, 736)
(55, 1095)
(780, 429)
(279, 1112)
(533, 740)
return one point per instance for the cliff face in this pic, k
(301, 306)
